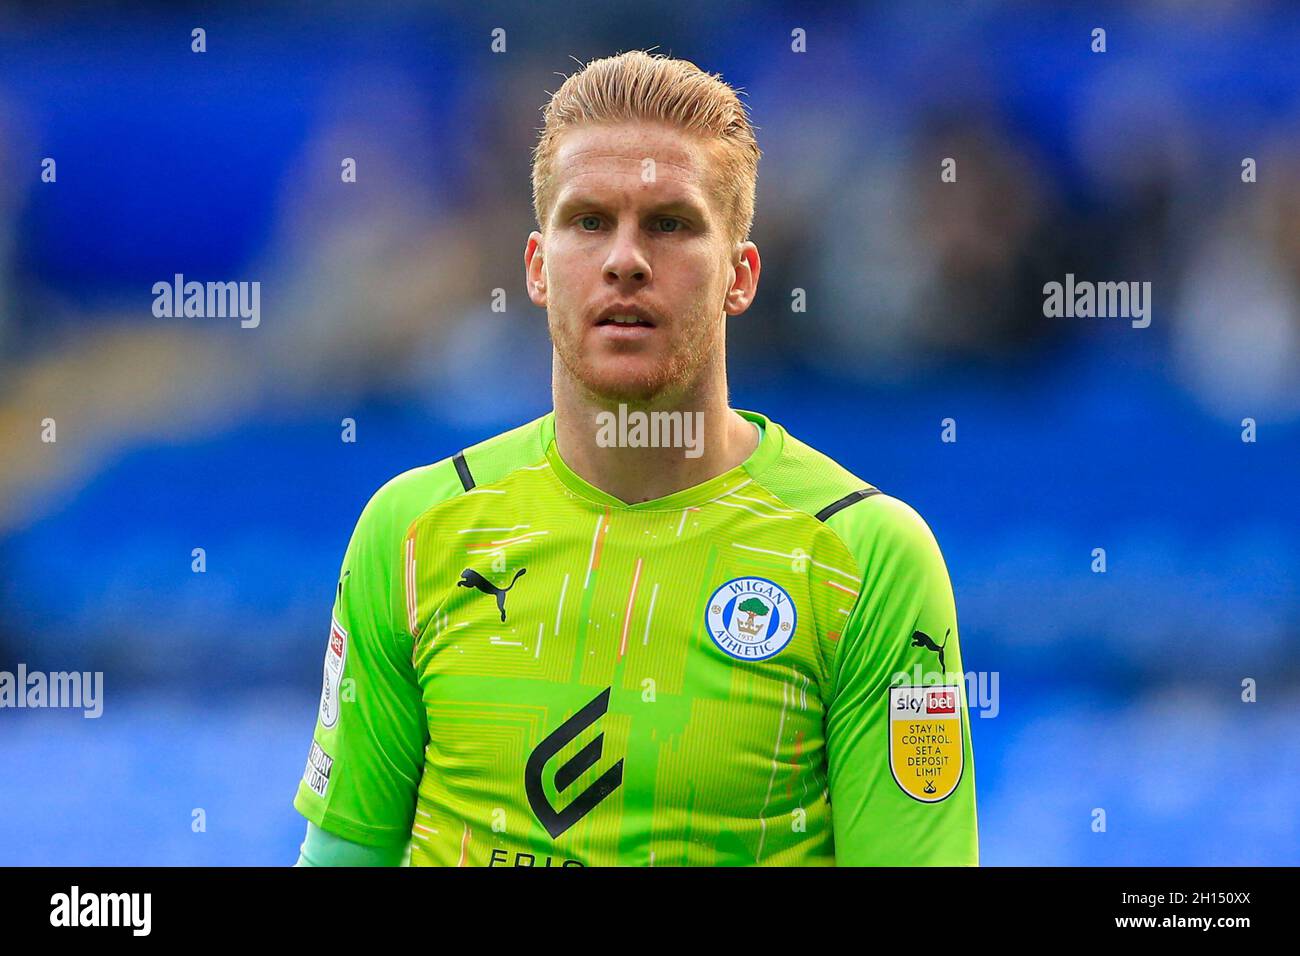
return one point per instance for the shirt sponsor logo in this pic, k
(557, 821)
(519, 858)
(317, 774)
(925, 742)
(335, 656)
(750, 619)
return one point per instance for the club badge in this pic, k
(750, 619)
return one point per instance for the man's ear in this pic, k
(746, 266)
(535, 269)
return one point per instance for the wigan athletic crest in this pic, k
(750, 619)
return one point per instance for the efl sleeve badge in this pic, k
(925, 740)
(335, 656)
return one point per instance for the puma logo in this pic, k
(921, 639)
(469, 578)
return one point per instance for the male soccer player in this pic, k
(579, 643)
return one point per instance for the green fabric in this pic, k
(322, 848)
(700, 679)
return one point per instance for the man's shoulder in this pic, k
(808, 479)
(405, 497)
(866, 518)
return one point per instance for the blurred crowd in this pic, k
(1120, 169)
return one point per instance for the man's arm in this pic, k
(322, 848)
(367, 752)
(902, 779)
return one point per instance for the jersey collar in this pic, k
(769, 448)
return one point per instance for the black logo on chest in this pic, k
(469, 578)
(556, 822)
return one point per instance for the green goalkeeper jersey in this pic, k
(523, 670)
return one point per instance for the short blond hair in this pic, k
(637, 85)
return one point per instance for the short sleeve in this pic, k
(901, 769)
(367, 752)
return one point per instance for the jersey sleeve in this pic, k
(367, 752)
(322, 848)
(901, 771)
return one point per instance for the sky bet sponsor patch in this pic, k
(925, 753)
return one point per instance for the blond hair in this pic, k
(637, 85)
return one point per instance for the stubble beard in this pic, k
(665, 383)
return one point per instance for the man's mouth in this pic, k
(633, 317)
(625, 320)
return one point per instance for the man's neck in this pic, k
(599, 443)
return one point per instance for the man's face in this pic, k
(635, 229)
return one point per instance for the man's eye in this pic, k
(667, 222)
(589, 223)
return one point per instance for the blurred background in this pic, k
(1119, 690)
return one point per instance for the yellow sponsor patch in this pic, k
(925, 752)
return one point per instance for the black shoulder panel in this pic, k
(850, 499)
(462, 470)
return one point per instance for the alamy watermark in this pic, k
(1104, 300)
(72, 689)
(638, 429)
(208, 300)
(981, 686)
(75, 908)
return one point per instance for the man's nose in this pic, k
(627, 261)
